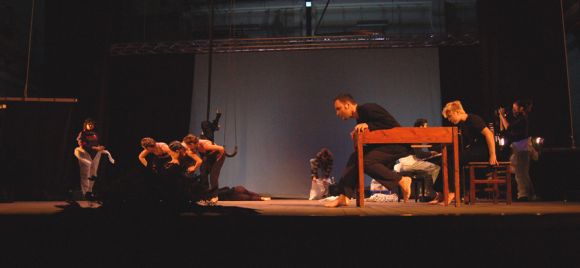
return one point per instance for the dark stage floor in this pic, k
(292, 233)
(299, 208)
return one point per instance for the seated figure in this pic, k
(418, 162)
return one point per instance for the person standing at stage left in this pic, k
(378, 158)
(88, 153)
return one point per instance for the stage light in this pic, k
(538, 142)
(3, 106)
(501, 141)
(308, 3)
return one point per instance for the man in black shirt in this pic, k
(378, 158)
(515, 126)
(478, 143)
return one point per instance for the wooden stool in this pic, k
(500, 174)
(417, 178)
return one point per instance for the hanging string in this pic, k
(225, 124)
(236, 90)
(230, 34)
(29, 49)
(209, 58)
(232, 70)
(25, 97)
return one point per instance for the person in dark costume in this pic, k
(379, 158)
(239, 193)
(208, 128)
(322, 161)
(154, 155)
(517, 128)
(478, 143)
(179, 180)
(213, 157)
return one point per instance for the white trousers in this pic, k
(88, 167)
(411, 163)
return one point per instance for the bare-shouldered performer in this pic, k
(213, 160)
(160, 150)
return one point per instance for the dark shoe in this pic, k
(437, 199)
(89, 196)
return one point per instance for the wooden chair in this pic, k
(500, 174)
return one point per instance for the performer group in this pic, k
(189, 170)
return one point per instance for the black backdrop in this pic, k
(35, 150)
(130, 97)
(520, 56)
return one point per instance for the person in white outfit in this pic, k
(89, 153)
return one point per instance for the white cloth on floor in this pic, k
(319, 188)
(383, 198)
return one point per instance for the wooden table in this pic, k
(412, 135)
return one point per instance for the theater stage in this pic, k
(291, 233)
(299, 207)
